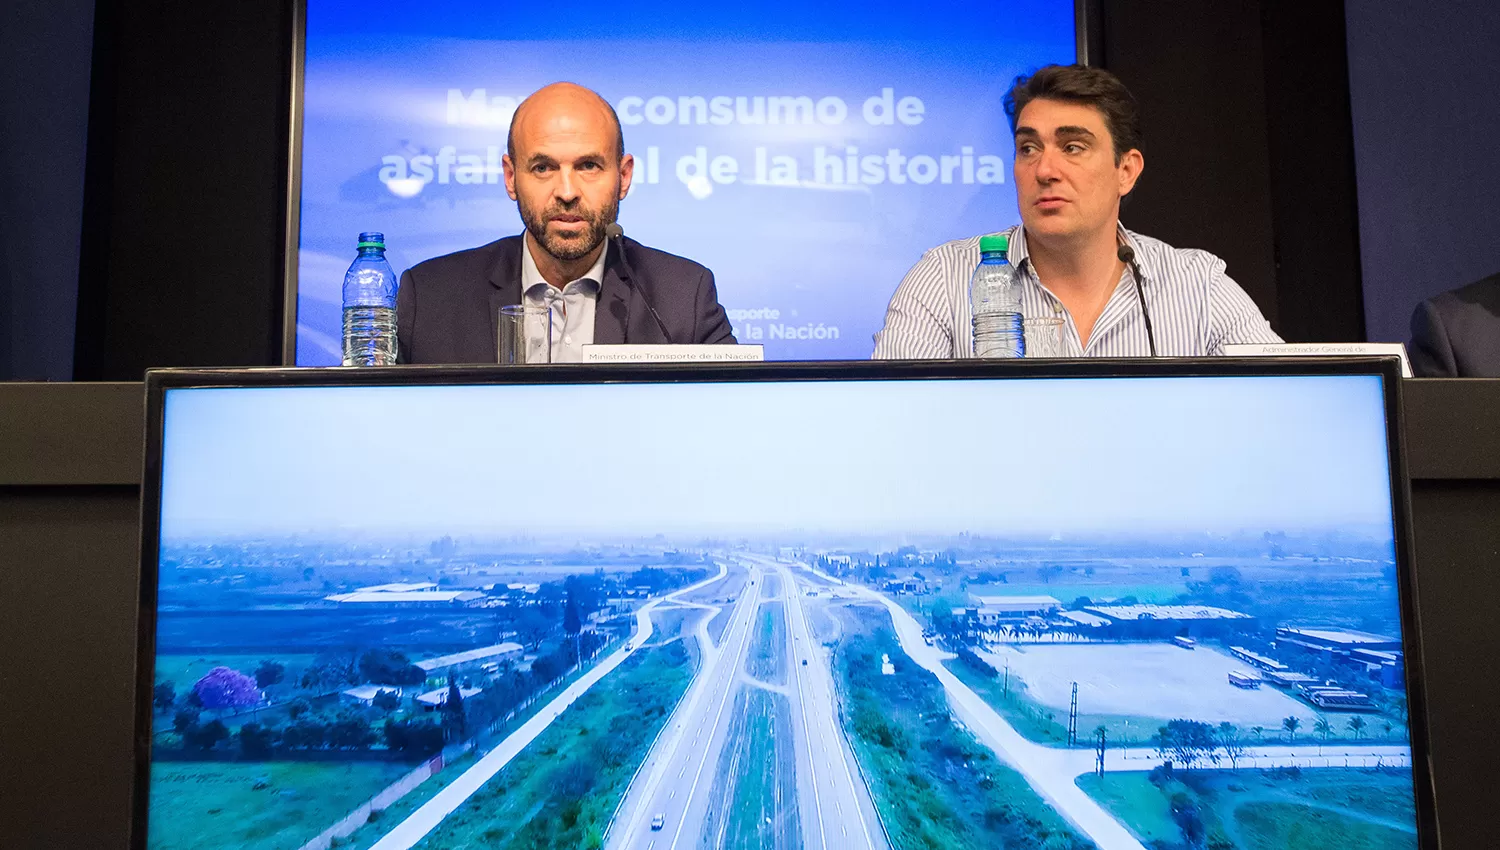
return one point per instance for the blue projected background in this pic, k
(807, 153)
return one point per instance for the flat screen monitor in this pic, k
(851, 136)
(944, 605)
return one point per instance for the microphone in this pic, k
(615, 233)
(1127, 256)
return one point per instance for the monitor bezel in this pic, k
(1088, 49)
(159, 382)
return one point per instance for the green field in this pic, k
(216, 804)
(561, 791)
(934, 785)
(1266, 810)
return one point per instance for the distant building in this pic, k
(1379, 656)
(1257, 659)
(1015, 607)
(433, 700)
(902, 586)
(1166, 621)
(364, 695)
(415, 595)
(471, 659)
(1334, 640)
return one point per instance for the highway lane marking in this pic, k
(838, 743)
(739, 653)
(653, 779)
(807, 729)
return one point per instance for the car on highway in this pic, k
(658, 821)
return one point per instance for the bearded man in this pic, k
(567, 170)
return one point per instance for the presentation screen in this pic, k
(730, 624)
(807, 153)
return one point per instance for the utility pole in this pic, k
(1099, 748)
(1073, 718)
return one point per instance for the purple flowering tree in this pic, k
(224, 688)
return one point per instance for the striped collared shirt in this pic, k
(1195, 308)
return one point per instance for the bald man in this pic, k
(567, 170)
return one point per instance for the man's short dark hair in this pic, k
(1081, 84)
(510, 136)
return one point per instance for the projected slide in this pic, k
(806, 153)
(1194, 647)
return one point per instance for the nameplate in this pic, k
(672, 354)
(1323, 349)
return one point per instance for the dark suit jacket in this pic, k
(1457, 334)
(447, 308)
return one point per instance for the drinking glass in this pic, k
(1044, 337)
(514, 346)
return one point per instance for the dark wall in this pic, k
(185, 188)
(1423, 77)
(44, 96)
(1230, 93)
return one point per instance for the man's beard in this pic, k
(569, 247)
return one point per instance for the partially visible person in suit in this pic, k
(1457, 334)
(567, 170)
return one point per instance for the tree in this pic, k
(332, 671)
(298, 707)
(1188, 819)
(453, 711)
(1356, 725)
(1323, 728)
(269, 673)
(1082, 602)
(224, 688)
(1291, 724)
(163, 696)
(1230, 743)
(207, 736)
(381, 666)
(185, 719)
(256, 741)
(386, 701)
(350, 732)
(532, 627)
(1186, 742)
(572, 624)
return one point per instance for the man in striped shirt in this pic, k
(1077, 132)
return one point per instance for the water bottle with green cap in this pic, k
(370, 306)
(995, 301)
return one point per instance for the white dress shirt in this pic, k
(1196, 309)
(567, 320)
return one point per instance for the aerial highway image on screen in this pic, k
(490, 660)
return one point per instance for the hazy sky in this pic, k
(884, 457)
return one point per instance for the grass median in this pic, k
(934, 785)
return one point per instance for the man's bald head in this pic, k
(563, 104)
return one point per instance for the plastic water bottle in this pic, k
(370, 306)
(995, 299)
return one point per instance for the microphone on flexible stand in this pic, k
(616, 234)
(1127, 256)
